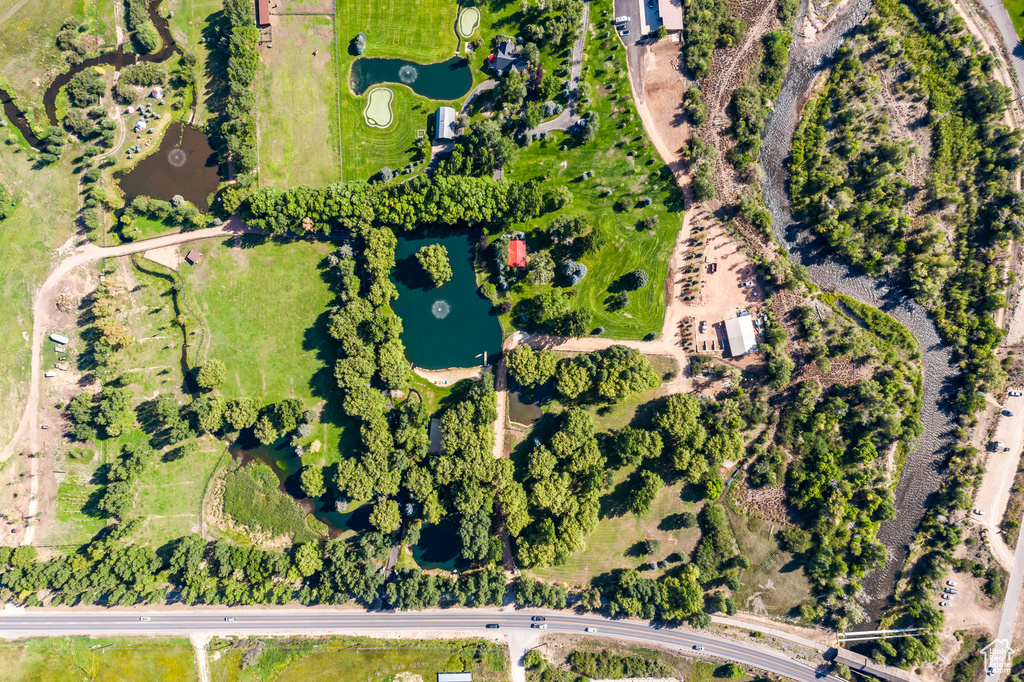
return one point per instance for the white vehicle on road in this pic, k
(621, 20)
(145, 619)
(589, 629)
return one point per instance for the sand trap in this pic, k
(469, 21)
(378, 112)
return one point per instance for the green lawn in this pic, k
(422, 31)
(625, 163)
(358, 660)
(43, 220)
(92, 660)
(298, 104)
(1015, 8)
(251, 499)
(169, 495)
(191, 21)
(29, 58)
(773, 580)
(265, 304)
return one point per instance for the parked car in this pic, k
(978, 512)
(1007, 413)
(1016, 394)
(952, 582)
(538, 618)
(589, 629)
(624, 33)
(703, 327)
(492, 626)
(945, 603)
(621, 20)
(949, 590)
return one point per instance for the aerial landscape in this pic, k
(540, 341)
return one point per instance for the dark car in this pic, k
(538, 618)
(492, 626)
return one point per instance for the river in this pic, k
(922, 470)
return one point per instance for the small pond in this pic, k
(442, 80)
(524, 407)
(184, 164)
(440, 547)
(449, 326)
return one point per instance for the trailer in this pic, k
(62, 340)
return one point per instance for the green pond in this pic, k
(447, 80)
(447, 326)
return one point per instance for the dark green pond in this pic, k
(442, 80)
(448, 326)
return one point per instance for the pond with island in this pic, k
(448, 80)
(184, 164)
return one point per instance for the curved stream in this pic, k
(921, 475)
(116, 58)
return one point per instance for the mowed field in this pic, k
(421, 31)
(43, 220)
(297, 110)
(359, 660)
(71, 659)
(192, 21)
(1015, 8)
(265, 304)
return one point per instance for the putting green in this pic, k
(469, 21)
(378, 112)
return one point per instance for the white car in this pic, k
(589, 629)
(1016, 394)
(945, 603)
(539, 626)
(949, 590)
(145, 619)
(978, 512)
(698, 647)
(621, 20)
(229, 619)
(952, 583)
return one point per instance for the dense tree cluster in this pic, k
(693, 105)
(135, 76)
(555, 508)
(454, 201)
(237, 124)
(550, 312)
(702, 19)
(607, 375)
(433, 258)
(85, 88)
(531, 368)
(144, 33)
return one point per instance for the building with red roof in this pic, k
(262, 12)
(517, 253)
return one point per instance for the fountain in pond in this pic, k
(408, 74)
(440, 309)
(176, 157)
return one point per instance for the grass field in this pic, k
(28, 50)
(357, 660)
(623, 161)
(424, 32)
(169, 495)
(252, 499)
(266, 306)
(297, 110)
(43, 220)
(1015, 8)
(774, 580)
(71, 659)
(191, 22)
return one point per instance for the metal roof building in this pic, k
(740, 332)
(262, 12)
(671, 12)
(517, 253)
(455, 677)
(445, 123)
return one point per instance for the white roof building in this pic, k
(742, 339)
(445, 123)
(455, 677)
(671, 12)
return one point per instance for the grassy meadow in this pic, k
(71, 659)
(297, 110)
(360, 659)
(192, 21)
(43, 220)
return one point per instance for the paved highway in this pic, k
(289, 621)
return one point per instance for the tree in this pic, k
(683, 594)
(115, 413)
(637, 279)
(529, 367)
(475, 533)
(647, 487)
(433, 258)
(512, 90)
(211, 375)
(241, 413)
(264, 430)
(309, 558)
(385, 516)
(6, 202)
(312, 481)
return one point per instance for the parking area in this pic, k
(1002, 460)
(643, 18)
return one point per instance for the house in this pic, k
(740, 332)
(194, 257)
(445, 124)
(455, 677)
(505, 59)
(57, 338)
(516, 253)
(671, 12)
(262, 12)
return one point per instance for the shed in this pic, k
(516, 253)
(194, 257)
(455, 677)
(50, 374)
(671, 12)
(740, 332)
(262, 12)
(57, 338)
(445, 123)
